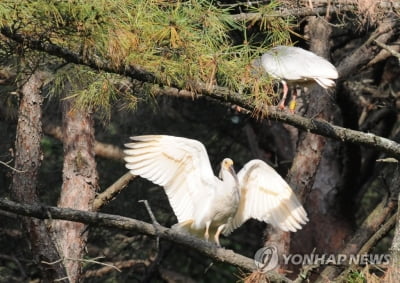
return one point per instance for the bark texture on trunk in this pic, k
(28, 160)
(310, 147)
(393, 273)
(79, 185)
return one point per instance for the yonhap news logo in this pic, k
(336, 259)
(267, 259)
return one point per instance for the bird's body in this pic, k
(204, 204)
(208, 219)
(296, 66)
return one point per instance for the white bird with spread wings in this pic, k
(204, 204)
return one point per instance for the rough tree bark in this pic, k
(79, 185)
(310, 146)
(393, 273)
(28, 156)
(316, 167)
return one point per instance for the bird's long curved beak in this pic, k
(232, 171)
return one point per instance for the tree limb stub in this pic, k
(129, 224)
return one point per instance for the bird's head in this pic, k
(227, 167)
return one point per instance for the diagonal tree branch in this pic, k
(104, 150)
(72, 57)
(383, 230)
(366, 52)
(367, 229)
(320, 127)
(321, 8)
(108, 194)
(129, 224)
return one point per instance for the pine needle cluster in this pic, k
(180, 42)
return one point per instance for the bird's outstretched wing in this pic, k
(265, 196)
(178, 164)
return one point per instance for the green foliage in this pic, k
(90, 90)
(179, 41)
(276, 28)
(356, 277)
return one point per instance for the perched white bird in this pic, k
(296, 66)
(204, 204)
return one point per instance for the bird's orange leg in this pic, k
(216, 236)
(292, 103)
(281, 104)
(206, 234)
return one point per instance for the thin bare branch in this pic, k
(95, 262)
(110, 267)
(372, 223)
(149, 211)
(367, 51)
(378, 235)
(371, 243)
(388, 48)
(12, 168)
(112, 191)
(367, 229)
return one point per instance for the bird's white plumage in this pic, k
(296, 64)
(265, 196)
(180, 165)
(202, 201)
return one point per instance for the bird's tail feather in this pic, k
(324, 82)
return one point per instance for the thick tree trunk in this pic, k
(317, 164)
(393, 273)
(28, 160)
(79, 185)
(309, 152)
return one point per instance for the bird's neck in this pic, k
(228, 178)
